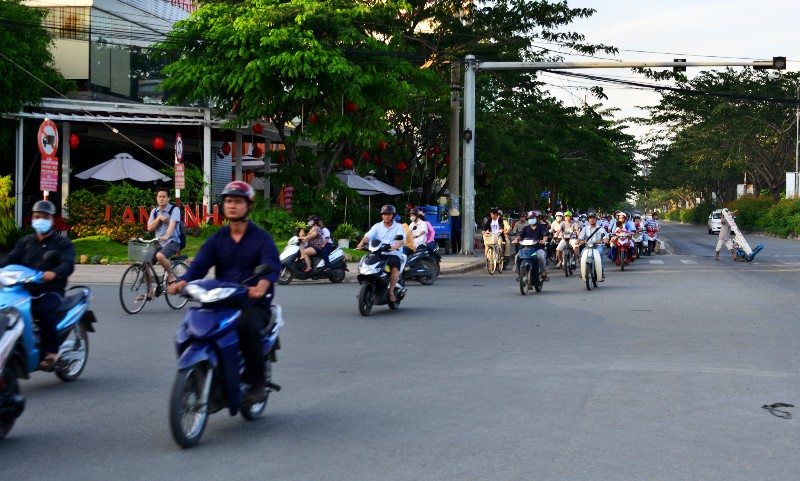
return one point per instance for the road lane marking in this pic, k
(652, 261)
(688, 261)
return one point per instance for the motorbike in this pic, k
(209, 360)
(638, 242)
(568, 257)
(591, 265)
(373, 275)
(422, 266)
(292, 267)
(652, 239)
(622, 247)
(529, 275)
(19, 344)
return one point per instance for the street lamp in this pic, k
(796, 83)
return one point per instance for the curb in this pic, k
(462, 269)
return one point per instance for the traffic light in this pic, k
(778, 63)
(679, 69)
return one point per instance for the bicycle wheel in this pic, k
(175, 301)
(491, 260)
(523, 278)
(133, 289)
(501, 260)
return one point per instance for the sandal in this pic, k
(47, 364)
(143, 297)
(392, 298)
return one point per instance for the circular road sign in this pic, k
(179, 148)
(47, 138)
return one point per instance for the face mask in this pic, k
(42, 226)
(531, 221)
(413, 218)
(310, 223)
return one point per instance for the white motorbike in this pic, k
(294, 268)
(591, 265)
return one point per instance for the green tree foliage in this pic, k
(8, 226)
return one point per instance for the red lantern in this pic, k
(257, 151)
(402, 167)
(158, 143)
(314, 119)
(365, 157)
(435, 149)
(280, 157)
(257, 128)
(351, 106)
(428, 155)
(74, 141)
(226, 148)
(397, 180)
(377, 160)
(447, 159)
(348, 163)
(383, 145)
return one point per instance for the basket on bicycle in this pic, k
(491, 239)
(140, 251)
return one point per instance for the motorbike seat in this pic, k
(71, 300)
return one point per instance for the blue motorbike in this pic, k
(19, 344)
(209, 359)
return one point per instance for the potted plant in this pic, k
(344, 233)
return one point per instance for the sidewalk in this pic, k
(111, 274)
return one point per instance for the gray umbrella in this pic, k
(122, 166)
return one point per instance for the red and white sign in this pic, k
(180, 176)
(49, 174)
(286, 197)
(178, 148)
(47, 140)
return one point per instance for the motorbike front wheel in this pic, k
(366, 299)
(623, 254)
(10, 389)
(74, 352)
(566, 261)
(188, 411)
(524, 272)
(587, 277)
(285, 276)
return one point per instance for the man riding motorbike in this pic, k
(234, 251)
(29, 251)
(387, 231)
(537, 232)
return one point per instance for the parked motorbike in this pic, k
(19, 345)
(422, 266)
(374, 277)
(622, 245)
(591, 265)
(292, 267)
(209, 360)
(652, 239)
(529, 275)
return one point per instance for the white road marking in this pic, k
(655, 261)
(688, 261)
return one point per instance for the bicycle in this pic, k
(493, 252)
(136, 285)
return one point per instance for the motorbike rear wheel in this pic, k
(251, 412)
(188, 412)
(285, 276)
(365, 299)
(11, 389)
(433, 267)
(74, 352)
(524, 273)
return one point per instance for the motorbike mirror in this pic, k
(262, 270)
(50, 256)
(399, 237)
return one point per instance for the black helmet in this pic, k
(591, 214)
(388, 209)
(44, 206)
(313, 217)
(240, 188)
(416, 212)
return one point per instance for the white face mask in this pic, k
(310, 223)
(413, 218)
(531, 221)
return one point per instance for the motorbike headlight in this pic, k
(208, 296)
(10, 278)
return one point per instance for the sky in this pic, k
(662, 30)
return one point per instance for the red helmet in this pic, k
(240, 188)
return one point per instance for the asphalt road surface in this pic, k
(659, 374)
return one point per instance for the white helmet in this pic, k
(559, 213)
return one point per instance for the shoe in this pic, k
(255, 395)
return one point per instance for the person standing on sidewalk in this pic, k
(725, 239)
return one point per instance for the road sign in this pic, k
(178, 148)
(47, 139)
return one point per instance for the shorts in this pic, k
(726, 242)
(169, 249)
(563, 244)
(393, 261)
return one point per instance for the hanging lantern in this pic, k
(226, 148)
(348, 163)
(351, 106)
(402, 167)
(158, 143)
(257, 151)
(428, 155)
(377, 160)
(365, 157)
(280, 157)
(74, 141)
(447, 159)
(257, 128)
(314, 119)
(435, 149)
(382, 144)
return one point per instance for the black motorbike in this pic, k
(422, 266)
(374, 277)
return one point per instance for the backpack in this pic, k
(178, 227)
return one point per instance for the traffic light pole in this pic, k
(472, 67)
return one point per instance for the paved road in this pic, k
(659, 374)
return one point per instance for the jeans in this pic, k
(254, 319)
(44, 308)
(325, 252)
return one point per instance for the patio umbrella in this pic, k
(368, 186)
(122, 166)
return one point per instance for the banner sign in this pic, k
(47, 141)
(49, 174)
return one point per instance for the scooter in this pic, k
(652, 240)
(622, 246)
(591, 265)
(528, 271)
(422, 266)
(209, 360)
(638, 242)
(374, 276)
(292, 267)
(12, 403)
(75, 320)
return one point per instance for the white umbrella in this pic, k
(368, 186)
(123, 166)
(386, 188)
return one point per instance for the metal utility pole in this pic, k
(455, 135)
(472, 67)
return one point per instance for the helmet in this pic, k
(499, 212)
(591, 214)
(416, 212)
(559, 213)
(533, 214)
(313, 217)
(240, 188)
(388, 209)
(44, 206)
(568, 213)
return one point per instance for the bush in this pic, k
(345, 231)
